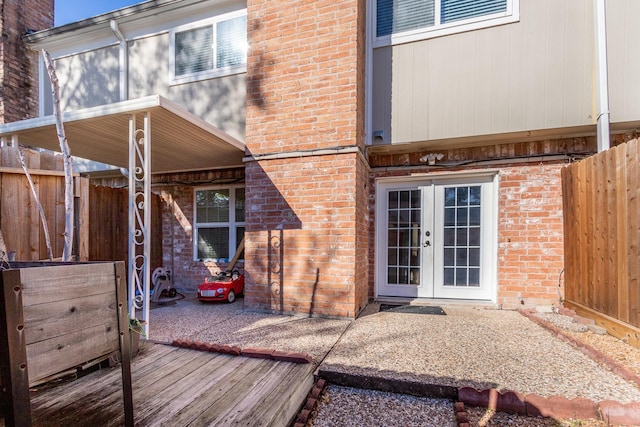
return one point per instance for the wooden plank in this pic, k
(266, 405)
(633, 230)
(57, 318)
(104, 404)
(60, 217)
(15, 226)
(590, 249)
(14, 370)
(81, 185)
(585, 238)
(621, 243)
(570, 228)
(124, 332)
(610, 279)
(51, 283)
(628, 333)
(160, 396)
(47, 196)
(33, 171)
(579, 239)
(260, 389)
(180, 386)
(48, 403)
(219, 397)
(60, 353)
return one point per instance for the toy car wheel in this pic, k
(231, 297)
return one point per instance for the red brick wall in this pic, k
(18, 65)
(530, 229)
(306, 93)
(177, 193)
(178, 223)
(302, 219)
(530, 235)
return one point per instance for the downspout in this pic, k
(124, 60)
(602, 86)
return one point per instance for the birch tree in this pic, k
(43, 218)
(66, 156)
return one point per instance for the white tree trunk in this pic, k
(43, 218)
(66, 155)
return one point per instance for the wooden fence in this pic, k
(19, 216)
(101, 224)
(601, 197)
(109, 222)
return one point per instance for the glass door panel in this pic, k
(403, 237)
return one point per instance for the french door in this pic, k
(437, 238)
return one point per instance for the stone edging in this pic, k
(500, 401)
(257, 353)
(311, 404)
(557, 407)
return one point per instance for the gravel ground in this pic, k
(229, 324)
(474, 347)
(619, 350)
(345, 406)
(342, 406)
(478, 347)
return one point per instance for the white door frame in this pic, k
(490, 238)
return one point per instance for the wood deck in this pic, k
(180, 387)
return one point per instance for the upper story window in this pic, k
(210, 48)
(402, 21)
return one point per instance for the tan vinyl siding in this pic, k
(220, 101)
(623, 40)
(87, 79)
(531, 75)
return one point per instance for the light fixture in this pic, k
(431, 158)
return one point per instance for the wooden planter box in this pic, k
(54, 317)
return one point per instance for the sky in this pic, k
(67, 11)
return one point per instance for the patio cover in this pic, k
(147, 135)
(179, 140)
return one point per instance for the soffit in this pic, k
(180, 141)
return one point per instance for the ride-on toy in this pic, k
(224, 286)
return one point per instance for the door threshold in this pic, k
(436, 301)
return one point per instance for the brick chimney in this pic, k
(18, 65)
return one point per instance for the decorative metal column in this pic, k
(139, 219)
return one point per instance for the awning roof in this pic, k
(180, 141)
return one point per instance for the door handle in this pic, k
(427, 243)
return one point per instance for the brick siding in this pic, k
(530, 228)
(18, 65)
(305, 92)
(302, 218)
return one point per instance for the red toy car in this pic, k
(222, 287)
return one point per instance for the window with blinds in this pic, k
(209, 48)
(398, 17)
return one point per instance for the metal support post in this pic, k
(139, 219)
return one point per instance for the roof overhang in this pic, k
(180, 140)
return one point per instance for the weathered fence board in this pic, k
(19, 216)
(44, 332)
(108, 233)
(602, 235)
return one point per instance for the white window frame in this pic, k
(206, 74)
(232, 225)
(512, 14)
